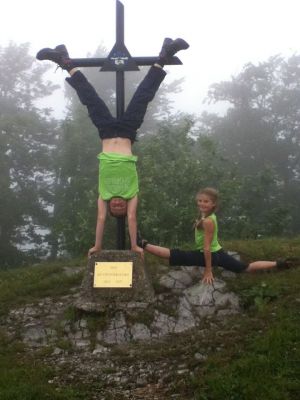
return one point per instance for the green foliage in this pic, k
(260, 135)
(258, 296)
(173, 167)
(25, 165)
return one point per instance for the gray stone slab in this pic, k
(176, 280)
(140, 332)
(100, 299)
(200, 295)
(163, 324)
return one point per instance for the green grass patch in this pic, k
(266, 367)
(145, 317)
(258, 289)
(98, 321)
(265, 249)
(259, 354)
(24, 285)
(24, 378)
(253, 355)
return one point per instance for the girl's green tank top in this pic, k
(199, 237)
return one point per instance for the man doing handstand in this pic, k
(118, 180)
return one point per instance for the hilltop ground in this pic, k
(251, 355)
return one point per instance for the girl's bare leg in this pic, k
(158, 251)
(261, 265)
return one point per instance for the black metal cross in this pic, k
(119, 60)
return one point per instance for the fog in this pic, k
(223, 36)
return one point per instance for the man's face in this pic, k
(118, 207)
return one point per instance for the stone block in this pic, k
(101, 299)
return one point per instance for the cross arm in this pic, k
(141, 61)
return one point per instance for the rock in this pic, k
(136, 305)
(117, 331)
(30, 311)
(100, 299)
(226, 299)
(186, 318)
(82, 343)
(99, 349)
(45, 323)
(228, 274)
(57, 351)
(200, 295)
(140, 332)
(82, 323)
(176, 280)
(77, 335)
(195, 272)
(224, 313)
(162, 324)
(200, 357)
(35, 337)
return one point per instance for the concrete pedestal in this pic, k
(100, 299)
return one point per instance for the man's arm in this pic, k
(102, 211)
(132, 225)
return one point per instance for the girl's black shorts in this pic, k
(196, 258)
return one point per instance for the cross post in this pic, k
(119, 60)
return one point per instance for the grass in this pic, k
(255, 355)
(24, 378)
(265, 367)
(26, 285)
(265, 249)
(260, 357)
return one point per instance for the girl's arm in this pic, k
(102, 210)
(208, 227)
(132, 225)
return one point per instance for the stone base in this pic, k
(100, 299)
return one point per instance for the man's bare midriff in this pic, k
(117, 145)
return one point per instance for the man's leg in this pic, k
(98, 111)
(136, 110)
(144, 94)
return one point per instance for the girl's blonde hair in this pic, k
(213, 194)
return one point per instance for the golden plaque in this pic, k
(113, 275)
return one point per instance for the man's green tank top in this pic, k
(117, 176)
(199, 237)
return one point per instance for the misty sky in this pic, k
(223, 35)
